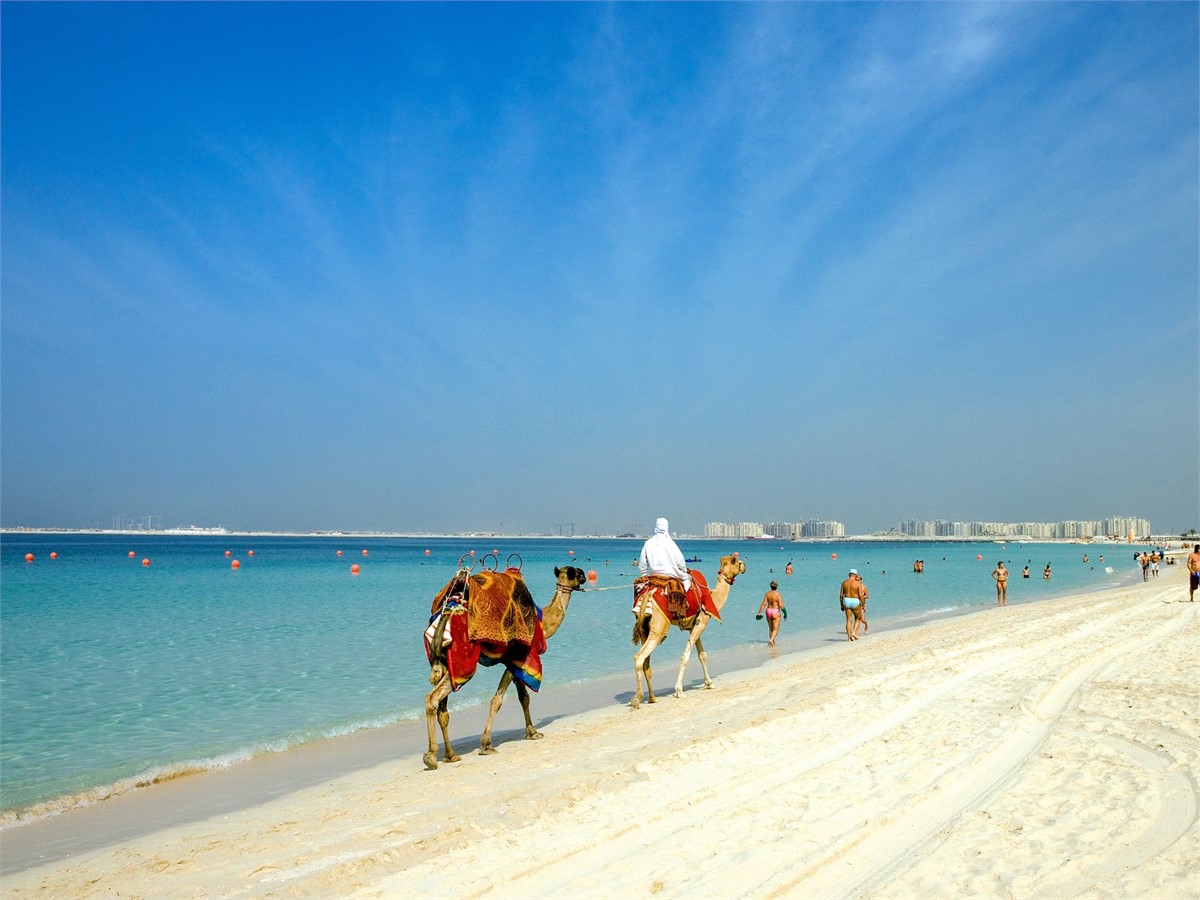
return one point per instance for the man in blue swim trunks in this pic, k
(850, 598)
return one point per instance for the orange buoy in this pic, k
(28, 557)
(592, 576)
(570, 552)
(979, 556)
(472, 552)
(249, 552)
(132, 554)
(236, 564)
(228, 554)
(354, 569)
(364, 552)
(495, 552)
(54, 554)
(339, 553)
(426, 552)
(145, 562)
(833, 556)
(737, 553)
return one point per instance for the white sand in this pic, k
(1044, 750)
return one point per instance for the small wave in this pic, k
(25, 815)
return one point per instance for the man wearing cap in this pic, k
(661, 558)
(850, 597)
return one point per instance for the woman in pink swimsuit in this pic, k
(772, 606)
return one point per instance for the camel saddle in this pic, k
(668, 594)
(491, 620)
(500, 609)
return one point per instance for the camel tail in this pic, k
(437, 671)
(437, 655)
(641, 630)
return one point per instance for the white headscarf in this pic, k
(661, 555)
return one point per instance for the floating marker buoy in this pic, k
(249, 552)
(833, 556)
(228, 554)
(472, 552)
(364, 552)
(354, 569)
(145, 562)
(28, 557)
(592, 576)
(737, 553)
(570, 552)
(132, 554)
(236, 564)
(339, 553)
(495, 552)
(54, 554)
(979, 556)
(426, 552)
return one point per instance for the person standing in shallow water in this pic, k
(850, 598)
(1001, 575)
(772, 605)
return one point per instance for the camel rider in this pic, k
(662, 556)
(661, 559)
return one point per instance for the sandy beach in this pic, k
(1039, 750)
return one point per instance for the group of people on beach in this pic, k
(665, 558)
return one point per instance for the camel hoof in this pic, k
(453, 757)
(533, 735)
(679, 695)
(488, 750)
(651, 699)
(708, 685)
(430, 759)
(635, 703)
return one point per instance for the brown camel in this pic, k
(652, 625)
(569, 579)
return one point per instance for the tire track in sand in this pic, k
(893, 843)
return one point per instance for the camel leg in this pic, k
(700, 652)
(444, 721)
(641, 660)
(435, 701)
(485, 745)
(531, 733)
(693, 641)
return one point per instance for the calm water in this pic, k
(111, 670)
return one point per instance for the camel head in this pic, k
(570, 577)
(731, 567)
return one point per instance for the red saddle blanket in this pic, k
(660, 593)
(495, 622)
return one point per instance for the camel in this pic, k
(651, 627)
(569, 579)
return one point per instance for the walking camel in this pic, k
(518, 660)
(652, 625)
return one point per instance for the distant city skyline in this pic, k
(446, 267)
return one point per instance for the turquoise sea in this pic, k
(113, 672)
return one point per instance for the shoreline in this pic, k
(281, 778)
(370, 743)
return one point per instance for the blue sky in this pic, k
(452, 267)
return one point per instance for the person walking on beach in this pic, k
(1144, 559)
(850, 600)
(772, 605)
(1193, 565)
(1001, 575)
